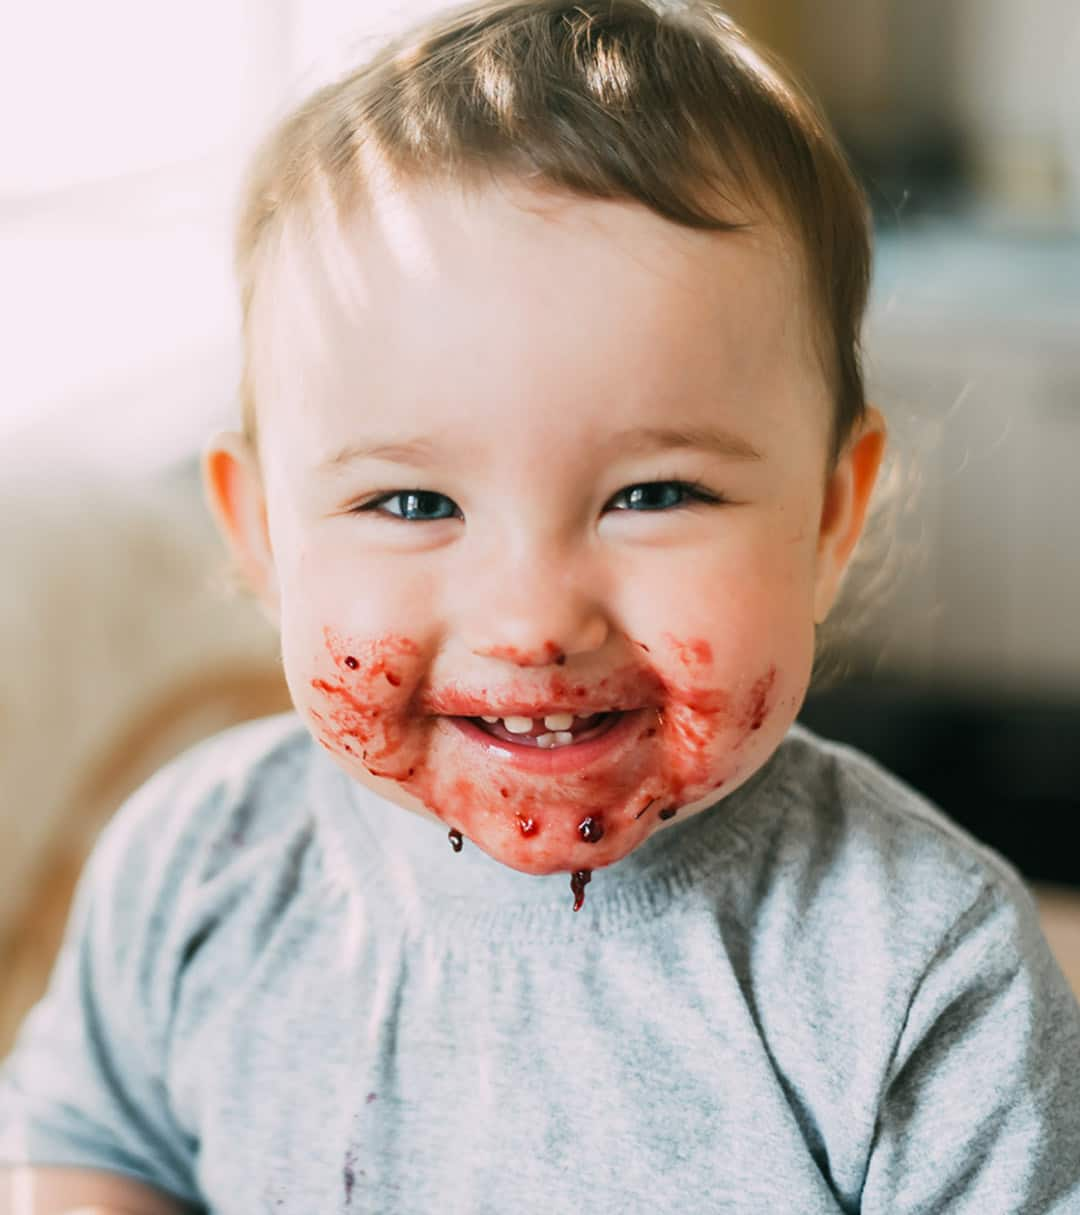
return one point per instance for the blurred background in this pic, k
(125, 128)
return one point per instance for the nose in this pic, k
(535, 611)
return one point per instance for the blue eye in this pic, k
(660, 496)
(414, 505)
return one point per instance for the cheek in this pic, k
(357, 702)
(328, 595)
(719, 625)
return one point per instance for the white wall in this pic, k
(126, 128)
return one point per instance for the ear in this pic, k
(843, 514)
(234, 491)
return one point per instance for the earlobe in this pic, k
(843, 515)
(234, 492)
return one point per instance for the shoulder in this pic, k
(231, 790)
(876, 863)
(204, 841)
(870, 923)
(867, 816)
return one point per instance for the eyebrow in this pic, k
(665, 438)
(635, 439)
(407, 451)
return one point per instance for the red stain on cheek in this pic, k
(353, 713)
(693, 653)
(759, 700)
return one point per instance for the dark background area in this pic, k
(1006, 770)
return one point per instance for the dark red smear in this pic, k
(351, 662)
(455, 840)
(349, 1174)
(391, 678)
(591, 830)
(760, 694)
(668, 812)
(578, 882)
(644, 808)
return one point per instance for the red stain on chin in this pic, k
(366, 708)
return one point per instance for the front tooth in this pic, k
(546, 740)
(563, 737)
(518, 725)
(559, 721)
(490, 720)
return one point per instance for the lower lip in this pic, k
(557, 760)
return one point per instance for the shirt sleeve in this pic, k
(84, 1084)
(981, 1112)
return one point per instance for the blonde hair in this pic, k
(609, 99)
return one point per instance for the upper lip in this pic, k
(460, 704)
(517, 709)
(619, 691)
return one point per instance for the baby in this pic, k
(555, 453)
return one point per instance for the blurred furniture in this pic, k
(120, 646)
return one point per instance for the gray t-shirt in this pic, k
(279, 993)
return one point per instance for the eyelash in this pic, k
(695, 494)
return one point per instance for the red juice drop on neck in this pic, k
(578, 882)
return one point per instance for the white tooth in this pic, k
(559, 721)
(490, 720)
(546, 740)
(518, 725)
(563, 737)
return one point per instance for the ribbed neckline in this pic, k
(402, 866)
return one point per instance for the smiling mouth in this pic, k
(549, 732)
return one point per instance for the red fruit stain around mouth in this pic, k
(365, 708)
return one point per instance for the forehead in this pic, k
(436, 300)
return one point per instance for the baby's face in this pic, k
(544, 482)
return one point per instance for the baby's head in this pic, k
(555, 444)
